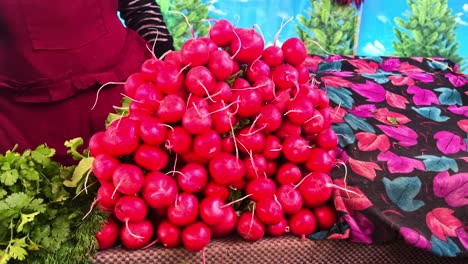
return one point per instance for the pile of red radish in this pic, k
(222, 116)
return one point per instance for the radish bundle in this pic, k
(224, 136)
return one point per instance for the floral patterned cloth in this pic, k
(403, 126)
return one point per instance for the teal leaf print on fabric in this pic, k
(449, 96)
(329, 66)
(377, 77)
(345, 134)
(432, 113)
(341, 97)
(358, 123)
(441, 248)
(438, 65)
(402, 192)
(438, 164)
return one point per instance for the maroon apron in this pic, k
(53, 56)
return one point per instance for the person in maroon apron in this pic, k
(55, 54)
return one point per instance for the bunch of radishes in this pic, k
(222, 116)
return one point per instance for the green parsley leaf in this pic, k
(73, 146)
(9, 177)
(80, 172)
(42, 155)
(26, 218)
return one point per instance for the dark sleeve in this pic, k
(145, 17)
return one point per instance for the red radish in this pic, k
(210, 44)
(213, 210)
(196, 236)
(255, 166)
(282, 100)
(174, 57)
(107, 196)
(296, 149)
(326, 216)
(316, 189)
(222, 118)
(326, 113)
(135, 80)
(226, 169)
(169, 234)
(278, 229)
(171, 109)
(269, 211)
(136, 235)
(169, 79)
(148, 97)
(200, 81)
(240, 84)
(227, 145)
(196, 120)
(260, 188)
(184, 210)
(222, 92)
(193, 178)
(269, 118)
(137, 112)
(238, 185)
(319, 161)
(257, 69)
(179, 140)
(288, 129)
(327, 139)
(159, 190)
(194, 52)
(220, 64)
(108, 235)
(266, 87)
(130, 208)
(151, 66)
(304, 74)
(295, 52)
(151, 158)
(95, 144)
(222, 32)
(271, 168)
(226, 227)
(272, 148)
(247, 45)
(128, 179)
(308, 91)
(285, 76)
(207, 145)
(324, 99)
(273, 56)
(302, 223)
(103, 167)
(290, 199)
(121, 137)
(152, 131)
(288, 173)
(315, 123)
(249, 102)
(249, 227)
(191, 157)
(198, 100)
(300, 110)
(213, 189)
(251, 140)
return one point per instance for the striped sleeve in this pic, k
(145, 17)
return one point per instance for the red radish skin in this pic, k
(251, 140)
(152, 131)
(169, 234)
(294, 50)
(319, 161)
(220, 64)
(326, 216)
(269, 118)
(130, 208)
(257, 69)
(296, 149)
(104, 166)
(249, 102)
(107, 196)
(226, 169)
(159, 190)
(324, 100)
(285, 76)
(210, 44)
(290, 199)
(279, 229)
(169, 79)
(95, 144)
(254, 166)
(260, 188)
(140, 234)
(315, 123)
(222, 92)
(191, 157)
(315, 189)
(273, 56)
(194, 52)
(222, 118)
(246, 45)
(107, 237)
(249, 227)
(327, 139)
(227, 145)
(184, 210)
(171, 109)
(152, 66)
(300, 110)
(238, 185)
(174, 57)
(272, 148)
(213, 210)
(282, 100)
(288, 173)
(266, 87)
(148, 97)
(303, 223)
(207, 145)
(271, 168)
(128, 179)
(135, 80)
(200, 81)
(121, 137)
(196, 236)
(304, 74)
(288, 129)
(308, 91)
(240, 84)
(227, 227)
(196, 120)
(193, 178)
(222, 33)
(198, 100)
(137, 112)
(179, 140)
(216, 190)
(151, 158)
(269, 211)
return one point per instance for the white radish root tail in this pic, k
(130, 231)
